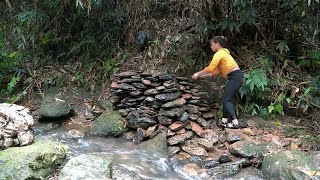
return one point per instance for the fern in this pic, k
(257, 80)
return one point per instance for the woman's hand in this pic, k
(195, 76)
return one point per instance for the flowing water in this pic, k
(147, 164)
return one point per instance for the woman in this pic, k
(224, 64)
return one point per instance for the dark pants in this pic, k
(235, 81)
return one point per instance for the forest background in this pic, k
(83, 42)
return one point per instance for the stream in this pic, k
(147, 164)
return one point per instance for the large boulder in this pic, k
(95, 166)
(86, 166)
(54, 105)
(35, 161)
(292, 165)
(249, 149)
(110, 122)
(15, 125)
(158, 143)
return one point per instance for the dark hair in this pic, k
(220, 39)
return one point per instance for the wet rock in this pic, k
(150, 130)
(139, 136)
(175, 103)
(136, 120)
(128, 135)
(86, 166)
(110, 122)
(173, 150)
(292, 165)
(177, 139)
(120, 172)
(174, 112)
(180, 156)
(73, 133)
(35, 161)
(156, 144)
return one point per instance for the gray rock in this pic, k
(166, 77)
(175, 103)
(136, 120)
(156, 144)
(177, 139)
(168, 96)
(292, 165)
(250, 150)
(164, 120)
(127, 87)
(227, 169)
(53, 106)
(120, 172)
(184, 117)
(35, 161)
(173, 112)
(173, 150)
(110, 122)
(194, 150)
(86, 166)
(149, 92)
(210, 163)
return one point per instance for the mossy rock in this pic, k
(292, 165)
(54, 105)
(110, 122)
(36, 161)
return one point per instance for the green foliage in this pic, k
(311, 60)
(256, 81)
